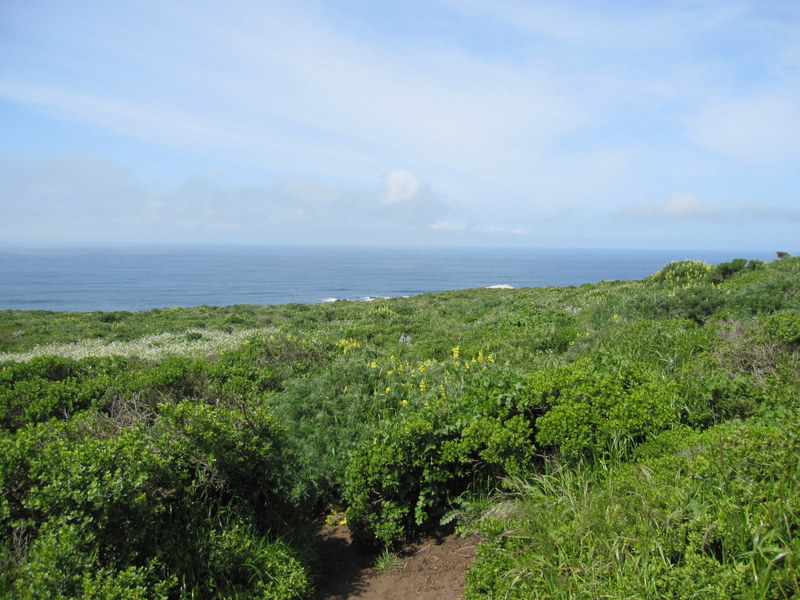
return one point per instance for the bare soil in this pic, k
(433, 569)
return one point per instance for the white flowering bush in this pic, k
(193, 343)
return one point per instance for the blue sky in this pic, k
(621, 124)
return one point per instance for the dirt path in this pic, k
(434, 569)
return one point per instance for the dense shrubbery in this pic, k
(170, 490)
(698, 515)
(641, 435)
(441, 442)
(596, 406)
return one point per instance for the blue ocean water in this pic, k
(141, 278)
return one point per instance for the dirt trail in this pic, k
(433, 569)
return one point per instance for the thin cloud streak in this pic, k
(293, 77)
(693, 208)
(445, 118)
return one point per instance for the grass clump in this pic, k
(697, 515)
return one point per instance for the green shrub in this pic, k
(325, 418)
(85, 492)
(417, 465)
(785, 327)
(599, 406)
(682, 272)
(767, 296)
(712, 395)
(238, 562)
(698, 302)
(541, 328)
(727, 270)
(52, 368)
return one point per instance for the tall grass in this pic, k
(717, 516)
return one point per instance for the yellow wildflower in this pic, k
(347, 345)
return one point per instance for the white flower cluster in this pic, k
(150, 347)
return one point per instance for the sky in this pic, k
(572, 123)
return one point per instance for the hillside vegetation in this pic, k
(626, 439)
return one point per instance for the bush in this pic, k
(784, 327)
(682, 272)
(418, 464)
(84, 492)
(767, 297)
(541, 328)
(599, 406)
(698, 302)
(727, 270)
(62, 563)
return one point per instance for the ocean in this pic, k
(146, 277)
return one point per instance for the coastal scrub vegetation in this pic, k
(624, 439)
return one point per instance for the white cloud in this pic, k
(444, 226)
(677, 207)
(498, 229)
(686, 207)
(400, 185)
(76, 198)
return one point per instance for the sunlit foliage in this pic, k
(620, 439)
